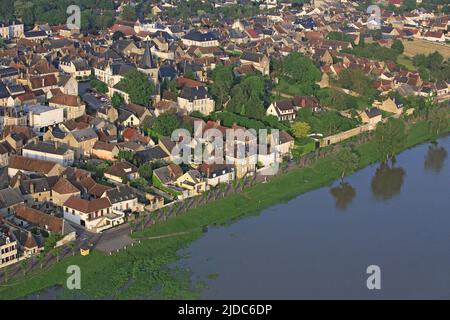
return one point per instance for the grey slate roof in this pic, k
(84, 134)
(194, 93)
(47, 147)
(121, 193)
(9, 197)
(200, 36)
(147, 60)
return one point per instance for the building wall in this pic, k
(105, 154)
(59, 199)
(66, 159)
(205, 106)
(8, 254)
(204, 44)
(4, 160)
(224, 178)
(47, 118)
(12, 31)
(131, 204)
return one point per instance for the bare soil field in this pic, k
(420, 46)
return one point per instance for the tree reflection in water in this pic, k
(434, 161)
(387, 181)
(343, 195)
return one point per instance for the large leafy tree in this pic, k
(390, 137)
(223, 79)
(301, 129)
(299, 69)
(397, 45)
(433, 66)
(346, 162)
(128, 13)
(98, 85)
(6, 9)
(247, 97)
(138, 86)
(116, 100)
(145, 171)
(439, 121)
(166, 123)
(356, 80)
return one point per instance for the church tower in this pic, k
(148, 65)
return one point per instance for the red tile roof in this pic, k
(87, 206)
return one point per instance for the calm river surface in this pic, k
(320, 244)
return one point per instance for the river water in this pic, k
(320, 244)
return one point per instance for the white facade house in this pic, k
(50, 151)
(94, 215)
(196, 99)
(11, 29)
(123, 198)
(40, 116)
(215, 174)
(201, 39)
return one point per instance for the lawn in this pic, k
(406, 62)
(141, 271)
(285, 87)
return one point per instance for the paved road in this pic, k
(114, 239)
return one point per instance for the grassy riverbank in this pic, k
(141, 272)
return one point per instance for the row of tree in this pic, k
(95, 14)
(433, 66)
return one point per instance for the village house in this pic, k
(10, 29)
(71, 104)
(284, 110)
(243, 160)
(436, 36)
(8, 250)
(200, 39)
(34, 190)
(63, 190)
(108, 113)
(155, 202)
(371, 116)
(141, 112)
(167, 176)
(81, 141)
(196, 99)
(51, 151)
(111, 72)
(29, 217)
(283, 145)
(105, 151)
(9, 198)
(76, 67)
(123, 198)
(120, 171)
(127, 118)
(4, 156)
(392, 105)
(41, 117)
(29, 165)
(95, 215)
(28, 244)
(215, 174)
(15, 116)
(259, 61)
(192, 181)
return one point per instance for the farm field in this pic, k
(425, 47)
